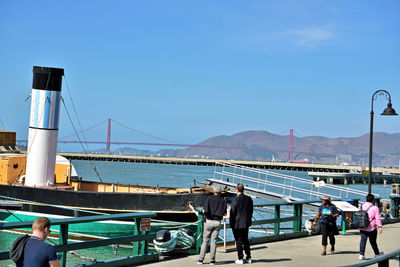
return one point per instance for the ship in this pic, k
(40, 183)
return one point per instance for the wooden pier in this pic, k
(288, 166)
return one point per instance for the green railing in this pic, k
(394, 206)
(297, 218)
(382, 261)
(140, 238)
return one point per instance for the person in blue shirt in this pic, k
(38, 253)
(327, 218)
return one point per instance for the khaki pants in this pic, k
(211, 231)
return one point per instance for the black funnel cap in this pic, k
(45, 78)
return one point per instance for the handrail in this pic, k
(286, 176)
(287, 187)
(141, 238)
(84, 219)
(384, 259)
(273, 184)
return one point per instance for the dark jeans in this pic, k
(242, 241)
(372, 240)
(328, 230)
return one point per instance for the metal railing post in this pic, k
(224, 233)
(384, 263)
(394, 207)
(63, 240)
(139, 247)
(199, 233)
(343, 222)
(277, 225)
(297, 212)
(378, 203)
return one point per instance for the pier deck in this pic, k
(211, 162)
(303, 251)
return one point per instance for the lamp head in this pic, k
(389, 111)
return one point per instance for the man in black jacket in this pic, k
(240, 221)
(214, 210)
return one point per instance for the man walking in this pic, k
(38, 253)
(374, 227)
(214, 209)
(240, 221)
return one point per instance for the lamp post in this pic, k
(389, 111)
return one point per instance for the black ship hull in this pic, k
(171, 207)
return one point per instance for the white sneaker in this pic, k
(362, 258)
(239, 261)
(199, 262)
(248, 260)
(380, 254)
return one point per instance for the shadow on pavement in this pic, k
(256, 261)
(346, 252)
(256, 248)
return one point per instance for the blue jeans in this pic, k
(372, 240)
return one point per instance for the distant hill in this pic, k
(263, 146)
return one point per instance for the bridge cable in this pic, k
(146, 134)
(80, 141)
(84, 130)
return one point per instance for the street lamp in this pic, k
(389, 111)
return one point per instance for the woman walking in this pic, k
(374, 227)
(327, 218)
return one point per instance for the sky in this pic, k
(189, 70)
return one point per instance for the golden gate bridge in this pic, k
(162, 142)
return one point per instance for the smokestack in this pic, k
(43, 126)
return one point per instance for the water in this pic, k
(174, 175)
(153, 175)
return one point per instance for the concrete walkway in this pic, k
(303, 251)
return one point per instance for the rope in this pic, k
(1, 121)
(80, 141)
(73, 107)
(54, 206)
(15, 111)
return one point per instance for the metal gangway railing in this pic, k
(279, 185)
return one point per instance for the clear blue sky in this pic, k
(188, 70)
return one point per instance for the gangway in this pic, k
(278, 186)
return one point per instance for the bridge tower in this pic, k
(108, 136)
(291, 146)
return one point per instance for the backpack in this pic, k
(17, 249)
(360, 218)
